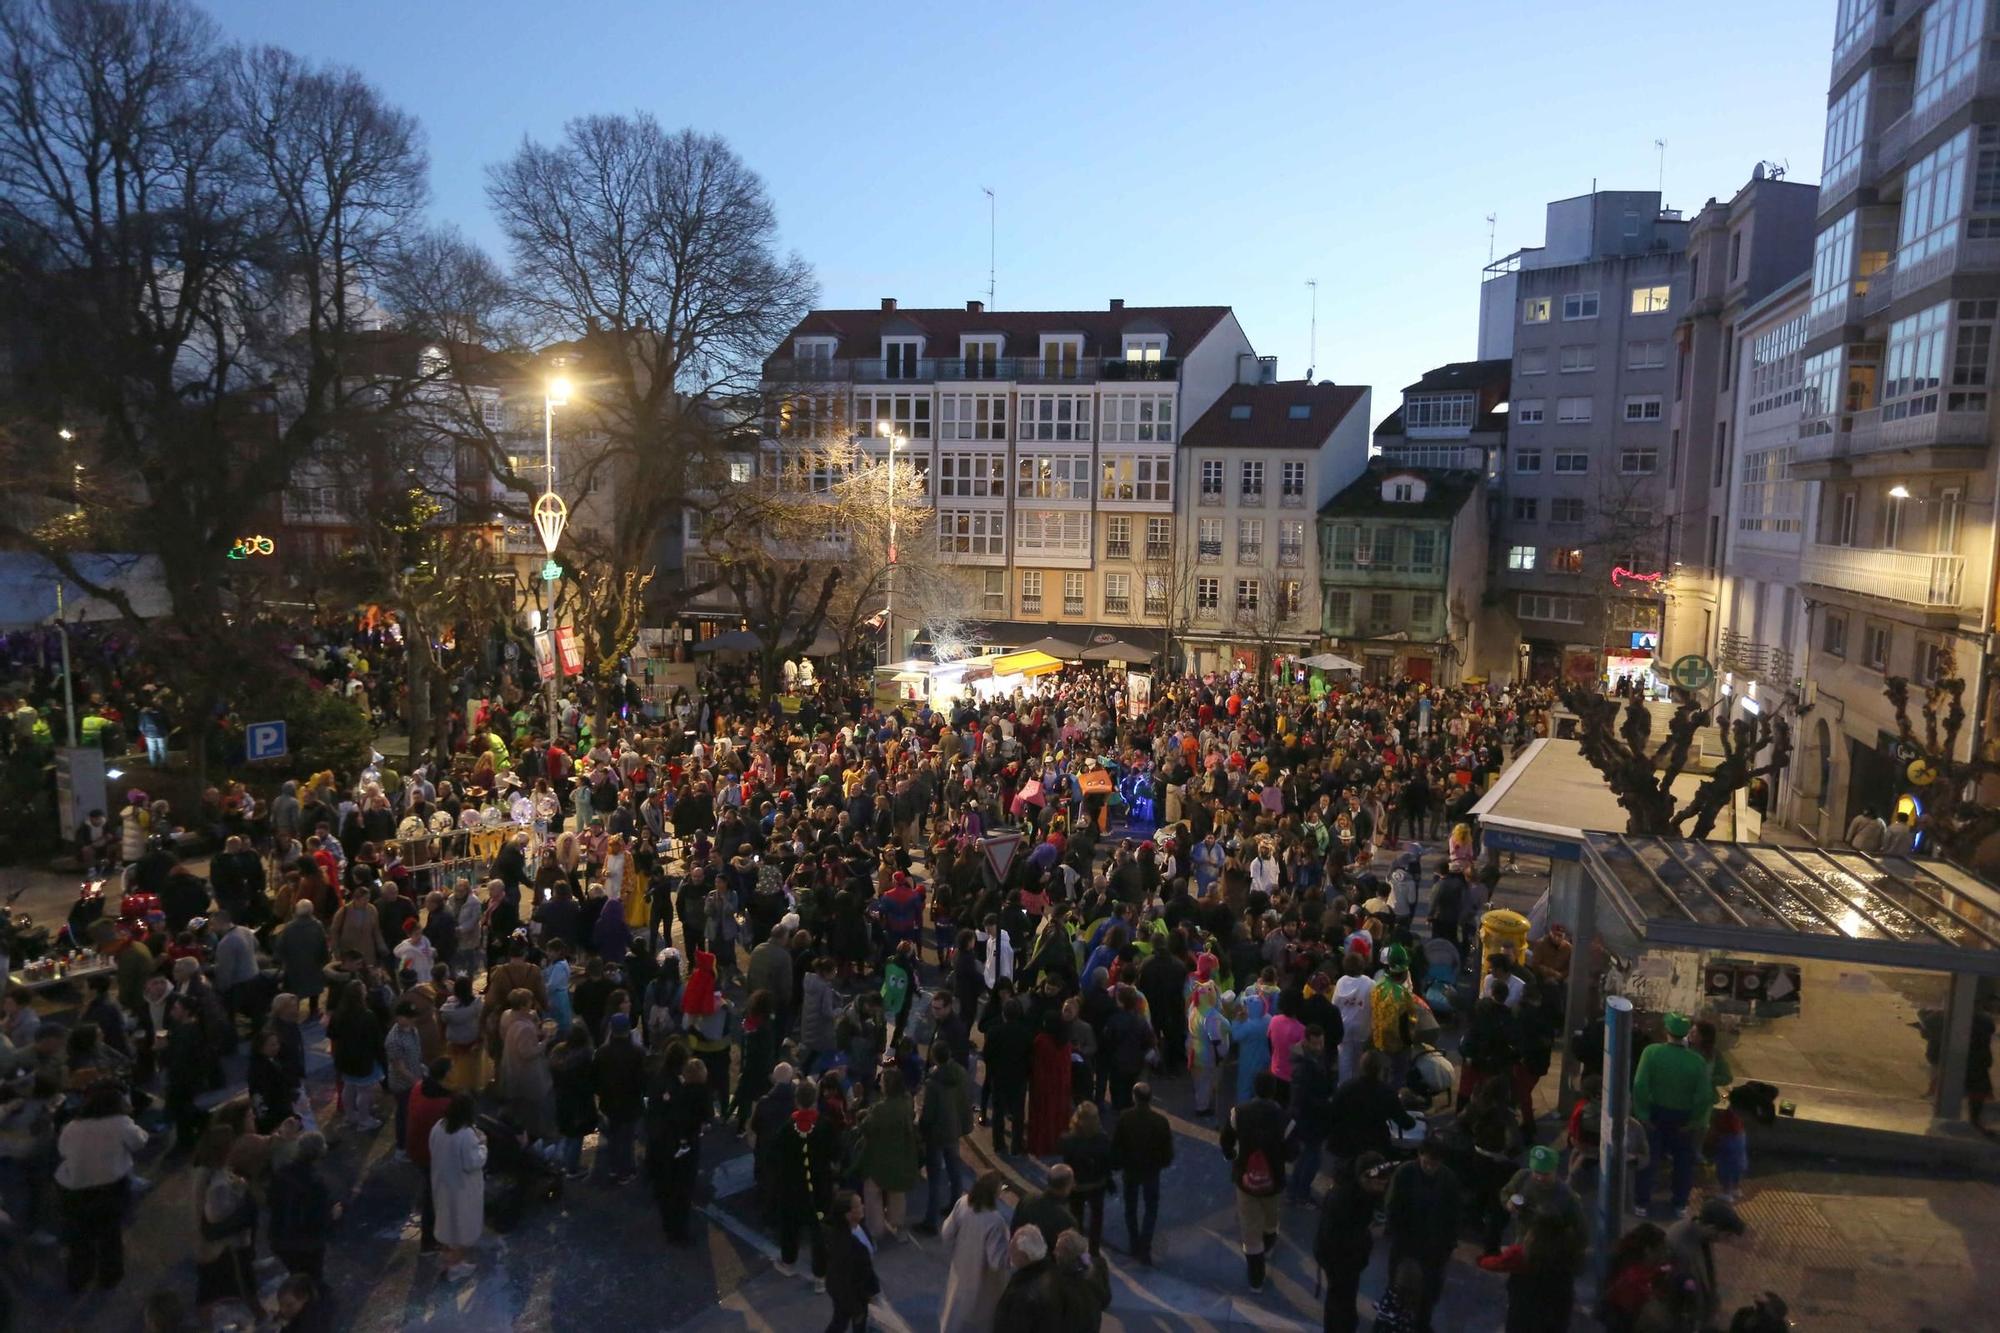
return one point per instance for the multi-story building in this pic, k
(1454, 419)
(1738, 253)
(1402, 569)
(1049, 442)
(1760, 642)
(1260, 463)
(1585, 494)
(1897, 421)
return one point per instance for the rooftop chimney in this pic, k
(1117, 303)
(888, 303)
(976, 307)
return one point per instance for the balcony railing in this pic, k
(1858, 434)
(1156, 550)
(1117, 606)
(1248, 555)
(1759, 661)
(1208, 552)
(1117, 550)
(1030, 606)
(1208, 612)
(1072, 606)
(928, 369)
(1250, 497)
(1291, 555)
(1900, 576)
(1292, 499)
(1156, 606)
(1209, 497)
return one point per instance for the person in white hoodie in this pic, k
(1352, 996)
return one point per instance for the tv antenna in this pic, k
(1312, 346)
(1660, 147)
(1491, 219)
(991, 251)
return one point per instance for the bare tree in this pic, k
(187, 236)
(1167, 577)
(653, 256)
(1642, 774)
(1958, 820)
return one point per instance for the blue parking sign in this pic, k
(264, 740)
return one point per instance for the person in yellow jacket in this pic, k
(1392, 1013)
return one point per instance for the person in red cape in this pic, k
(1049, 1102)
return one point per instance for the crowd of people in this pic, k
(857, 939)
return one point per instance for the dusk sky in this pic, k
(1171, 153)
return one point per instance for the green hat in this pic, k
(1678, 1025)
(1542, 1160)
(1396, 958)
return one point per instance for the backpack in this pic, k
(1257, 1175)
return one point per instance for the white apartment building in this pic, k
(1049, 442)
(1897, 422)
(1260, 462)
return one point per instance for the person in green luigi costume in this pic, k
(1669, 1093)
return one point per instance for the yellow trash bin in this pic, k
(1501, 931)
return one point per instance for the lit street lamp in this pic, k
(551, 514)
(887, 430)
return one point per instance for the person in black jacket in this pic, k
(804, 1156)
(850, 1281)
(1009, 1051)
(1344, 1242)
(1359, 1115)
(302, 1210)
(1142, 1146)
(673, 1148)
(1255, 1140)
(1424, 1208)
(1312, 1110)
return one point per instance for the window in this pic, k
(1728, 355)
(1381, 610)
(1252, 480)
(1209, 545)
(1249, 540)
(1052, 477)
(1933, 201)
(1846, 514)
(1833, 635)
(994, 596)
(1239, 411)
(1117, 594)
(971, 476)
(1292, 541)
(1156, 594)
(1423, 605)
(1566, 559)
(1949, 52)
(1291, 598)
(1118, 537)
(1984, 222)
(1875, 642)
(1054, 416)
(972, 416)
(1159, 538)
(1249, 595)
(1890, 524)
(1062, 357)
(1532, 362)
(1211, 481)
(1540, 606)
(1146, 418)
(1646, 354)
(1385, 547)
(1521, 557)
(981, 357)
(1438, 410)
(1299, 412)
(1573, 411)
(1207, 595)
(1638, 462)
(1031, 592)
(1339, 610)
(1340, 547)
(1526, 509)
(1846, 126)
(1950, 518)
(1142, 478)
(1292, 482)
(1735, 255)
(972, 531)
(1652, 300)
(1073, 593)
(1535, 310)
(1777, 367)
(1145, 347)
(899, 358)
(1643, 407)
(1578, 357)
(1528, 460)
(739, 470)
(1971, 356)
(1853, 26)
(1768, 498)
(1580, 305)
(1528, 411)
(1914, 363)
(1572, 462)
(805, 416)
(908, 414)
(1423, 551)
(1565, 509)
(1059, 532)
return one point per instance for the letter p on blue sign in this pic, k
(264, 740)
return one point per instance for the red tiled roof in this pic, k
(1269, 424)
(860, 331)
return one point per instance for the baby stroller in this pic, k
(1439, 982)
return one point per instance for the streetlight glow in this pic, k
(558, 391)
(1899, 492)
(66, 434)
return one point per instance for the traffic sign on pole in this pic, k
(264, 740)
(1693, 672)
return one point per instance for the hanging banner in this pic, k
(1000, 849)
(572, 660)
(545, 655)
(1138, 693)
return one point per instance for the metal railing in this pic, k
(1117, 550)
(1291, 555)
(1209, 497)
(1117, 606)
(1208, 552)
(1250, 497)
(1156, 550)
(1208, 612)
(1902, 576)
(1030, 606)
(1247, 554)
(1292, 499)
(1072, 606)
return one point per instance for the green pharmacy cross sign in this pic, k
(1692, 672)
(551, 571)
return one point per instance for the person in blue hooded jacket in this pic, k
(1251, 1033)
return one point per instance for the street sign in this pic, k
(1693, 672)
(1000, 849)
(264, 740)
(551, 571)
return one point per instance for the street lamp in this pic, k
(551, 514)
(887, 430)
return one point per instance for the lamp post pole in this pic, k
(550, 516)
(889, 590)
